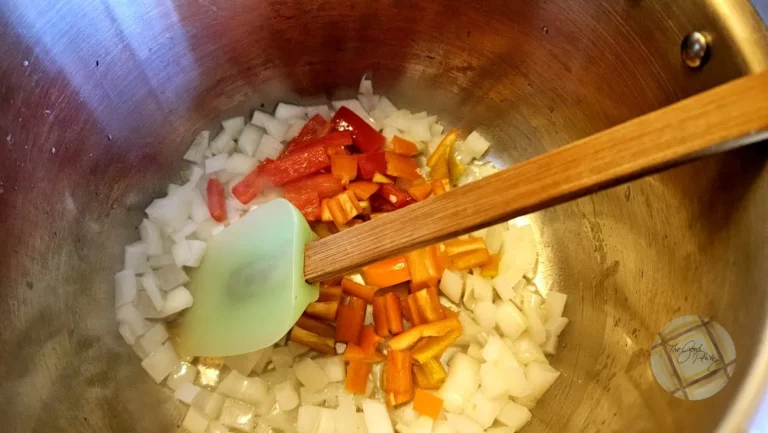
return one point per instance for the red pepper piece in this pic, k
(302, 162)
(217, 206)
(325, 185)
(252, 185)
(395, 195)
(370, 163)
(316, 127)
(366, 138)
(306, 201)
(330, 142)
(380, 204)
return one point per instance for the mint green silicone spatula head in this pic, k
(250, 289)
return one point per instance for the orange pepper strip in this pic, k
(386, 273)
(398, 382)
(434, 329)
(401, 166)
(357, 377)
(430, 374)
(349, 320)
(316, 327)
(394, 313)
(427, 404)
(420, 192)
(363, 190)
(403, 147)
(344, 167)
(448, 313)
(356, 353)
(491, 269)
(471, 259)
(413, 305)
(322, 310)
(361, 291)
(313, 341)
(429, 305)
(406, 309)
(329, 293)
(440, 186)
(380, 178)
(435, 346)
(343, 207)
(380, 316)
(369, 340)
(458, 246)
(438, 161)
(423, 266)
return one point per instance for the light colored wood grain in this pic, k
(719, 119)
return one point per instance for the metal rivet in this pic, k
(695, 49)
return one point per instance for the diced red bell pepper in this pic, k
(370, 163)
(401, 166)
(253, 184)
(330, 142)
(217, 206)
(316, 127)
(395, 195)
(325, 185)
(302, 162)
(306, 201)
(379, 204)
(366, 138)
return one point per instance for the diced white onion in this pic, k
(189, 228)
(152, 286)
(160, 363)
(526, 350)
(510, 320)
(249, 139)
(366, 86)
(188, 253)
(376, 417)
(151, 237)
(482, 288)
(186, 392)
(276, 128)
(222, 144)
(183, 373)
(322, 110)
(127, 334)
(334, 368)
(452, 285)
(207, 229)
(540, 377)
(156, 262)
(368, 102)
(233, 126)
(287, 397)
(485, 314)
(216, 163)
(136, 257)
(311, 375)
(294, 128)
(384, 109)
(244, 363)
(217, 427)
(518, 250)
(483, 410)
(171, 277)
(287, 111)
(177, 299)
(195, 422)
(531, 311)
(238, 415)
(514, 416)
(198, 208)
(555, 326)
(151, 341)
(241, 164)
(196, 151)
(475, 145)
(494, 236)
(269, 147)
(505, 283)
(249, 389)
(128, 314)
(462, 382)
(125, 287)
(355, 106)
(555, 304)
(282, 357)
(463, 423)
(491, 383)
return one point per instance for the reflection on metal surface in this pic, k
(695, 49)
(630, 259)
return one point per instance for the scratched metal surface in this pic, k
(99, 100)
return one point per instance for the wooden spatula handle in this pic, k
(719, 119)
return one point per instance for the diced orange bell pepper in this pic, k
(322, 310)
(470, 259)
(398, 381)
(349, 320)
(329, 293)
(386, 273)
(344, 167)
(406, 309)
(458, 246)
(491, 269)
(401, 166)
(356, 353)
(440, 186)
(360, 290)
(325, 212)
(380, 316)
(323, 230)
(343, 207)
(413, 307)
(421, 191)
(365, 205)
(402, 146)
(423, 267)
(316, 327)
(363, 189)
(456, 169)
(357, 377)
(434, 329)
(369, 340)
(438, 161)
(427, 404)
(380, 178)
(394, 313)
(435, 346)
(313, 341)
(429, 304)
(448, 313)
(429, 374)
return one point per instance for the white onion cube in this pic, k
(287, 397)
(510, 320)
(183, 373)
(452, 285)
(198, 208)
(238, 415)
(216, 163)
(152, 287)
(188, 253)
(249, 389)
(196, 152)
(462, 382)
(195, 422)
(160, 363)
(249, 139)
(151, 341)
(128, 314)
(334, 368)
(483, 410)
(485, 314)
(322, 110)
(127, 334)
(125, 287)
(514, 416)
(282, 357)
(186, 392)
(233, 126)
(157, 262)
(240, 164)
(171, 276)
(151, 237)
(311, 375)
(376, 417)
(463, 424)
(555, 304)
(136, 257)
(269, 147)
(308, 419)
(176, 300)
(287, 111)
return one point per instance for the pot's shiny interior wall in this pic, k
(99, 100)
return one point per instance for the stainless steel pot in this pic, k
(99, 100)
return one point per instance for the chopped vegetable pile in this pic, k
(450, 338)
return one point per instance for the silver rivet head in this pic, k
(695, 49)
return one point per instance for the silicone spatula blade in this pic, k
(250, 289)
